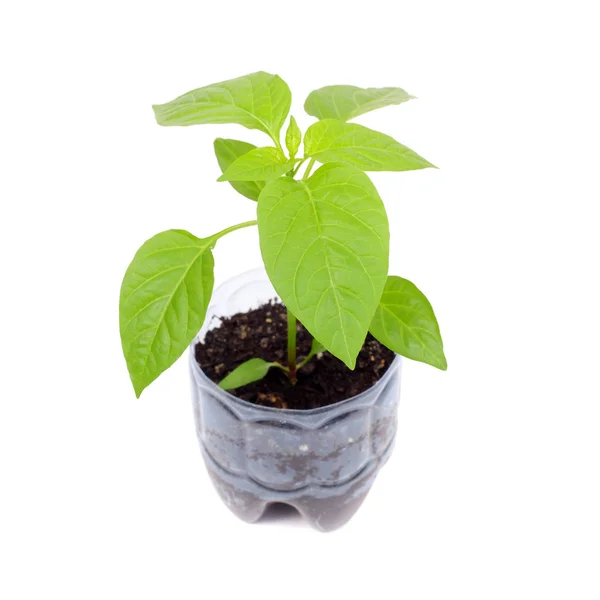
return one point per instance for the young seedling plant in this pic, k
(323, 233)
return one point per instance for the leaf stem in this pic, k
(315, 348)
(277, 143)
(291, 343)
(298, 167)
(280, 366)
(220, 234)
(308, 169)
(303, 362)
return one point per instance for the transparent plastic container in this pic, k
(321, 461)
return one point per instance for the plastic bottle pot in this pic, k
(321, 461)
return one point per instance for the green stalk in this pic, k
(297, 167)
(277, 143)
(216, 236)
(308, 169)
(291, 339)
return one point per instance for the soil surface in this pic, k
(262, 333)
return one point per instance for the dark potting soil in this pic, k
(262, 333)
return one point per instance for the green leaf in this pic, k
(325, 244)
(405, 323)
(249, 371)
(293, 137)
(345, 102)
(227, 151)
(260, 164)
(256, 101)
(164, 296)
(334, 141)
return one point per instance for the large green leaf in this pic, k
(345, 102)
(256, 101)
(164, 296)
(405, 323)
(260, 164)
(227, 151)
(335, 141)
(249, 371)
(325, 244)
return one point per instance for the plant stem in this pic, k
(297, 168)
(216, 236)
(291, 340)
(280, 366)
(304, 361)
(277, 143)
(308, 169)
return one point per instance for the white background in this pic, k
(494, 487)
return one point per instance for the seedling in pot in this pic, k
(323, 233)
